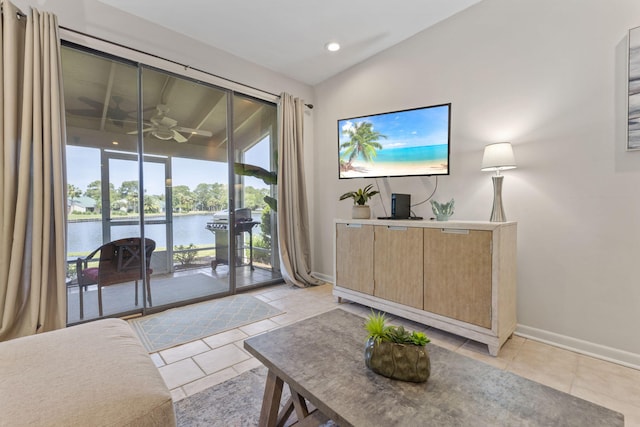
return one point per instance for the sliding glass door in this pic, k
(255, 180)
(151, 155)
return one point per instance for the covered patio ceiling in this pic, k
(180, 117)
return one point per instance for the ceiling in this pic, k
(289, 36)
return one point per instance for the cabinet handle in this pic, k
(354, 225)
(454, 231)
(396, 227)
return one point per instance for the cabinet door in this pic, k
(457, 279)
(399, 265)
(354, 257)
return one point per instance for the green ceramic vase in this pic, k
(403, 362)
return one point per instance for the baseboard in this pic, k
(621, 357)
(323, 277)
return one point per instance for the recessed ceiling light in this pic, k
(333, 46)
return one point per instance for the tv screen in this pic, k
(399, 143)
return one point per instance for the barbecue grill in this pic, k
(244, 223)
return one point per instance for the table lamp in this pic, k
(498, 157)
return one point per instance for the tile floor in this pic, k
(192, 367)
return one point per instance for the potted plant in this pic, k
(360, 208)
(394, 352)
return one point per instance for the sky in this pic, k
(83, 167)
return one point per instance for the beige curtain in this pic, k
(32, 181)
(293, 218)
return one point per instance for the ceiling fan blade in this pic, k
(95, 104)
(178, 136)
(199, 132)
(84, 112)
(135, 132)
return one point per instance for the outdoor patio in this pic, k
(166, 290)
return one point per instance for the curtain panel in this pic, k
(32, 177)
(293, 217)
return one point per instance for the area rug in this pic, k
(233, 403)
(180, 325)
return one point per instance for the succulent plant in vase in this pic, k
(394, 352)
(360, 197)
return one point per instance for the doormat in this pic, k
(180, 325)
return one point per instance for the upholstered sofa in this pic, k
(95, 374)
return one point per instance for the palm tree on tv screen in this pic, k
(363, 142)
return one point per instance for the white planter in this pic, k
(361, 212)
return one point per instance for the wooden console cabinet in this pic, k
(458, 276)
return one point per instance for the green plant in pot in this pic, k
(394, 352)
(360, 197)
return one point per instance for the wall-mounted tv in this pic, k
(398, 143)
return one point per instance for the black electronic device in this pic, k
(400, 206)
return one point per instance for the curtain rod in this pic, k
(310, 106)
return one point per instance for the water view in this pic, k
(87, 235)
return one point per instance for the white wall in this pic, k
(549, 76)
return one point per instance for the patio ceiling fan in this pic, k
(166, 128)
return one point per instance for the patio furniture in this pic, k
(97, 373)
(120, 262)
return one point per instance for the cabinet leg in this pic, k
(493, 349)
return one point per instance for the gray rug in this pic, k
(235, 402)
(180, 325)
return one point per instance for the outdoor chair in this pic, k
(120, 262)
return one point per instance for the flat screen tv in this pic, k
(399, 143)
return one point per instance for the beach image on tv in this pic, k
(402, 143)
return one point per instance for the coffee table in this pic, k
(322, 361)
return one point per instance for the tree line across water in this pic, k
(205, 197)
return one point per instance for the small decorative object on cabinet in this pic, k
(394, 352)
(442, 211)
(360, 208)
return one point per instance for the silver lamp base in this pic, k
(497, 213)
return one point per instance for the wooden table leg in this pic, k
(285, 413)
(300, 404)
(271, 400)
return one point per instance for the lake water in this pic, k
(187, 229)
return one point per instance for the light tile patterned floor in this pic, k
(195, 366)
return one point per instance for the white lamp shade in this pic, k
(498, 156)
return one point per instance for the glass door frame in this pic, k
(143, 62)
(107, 155)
